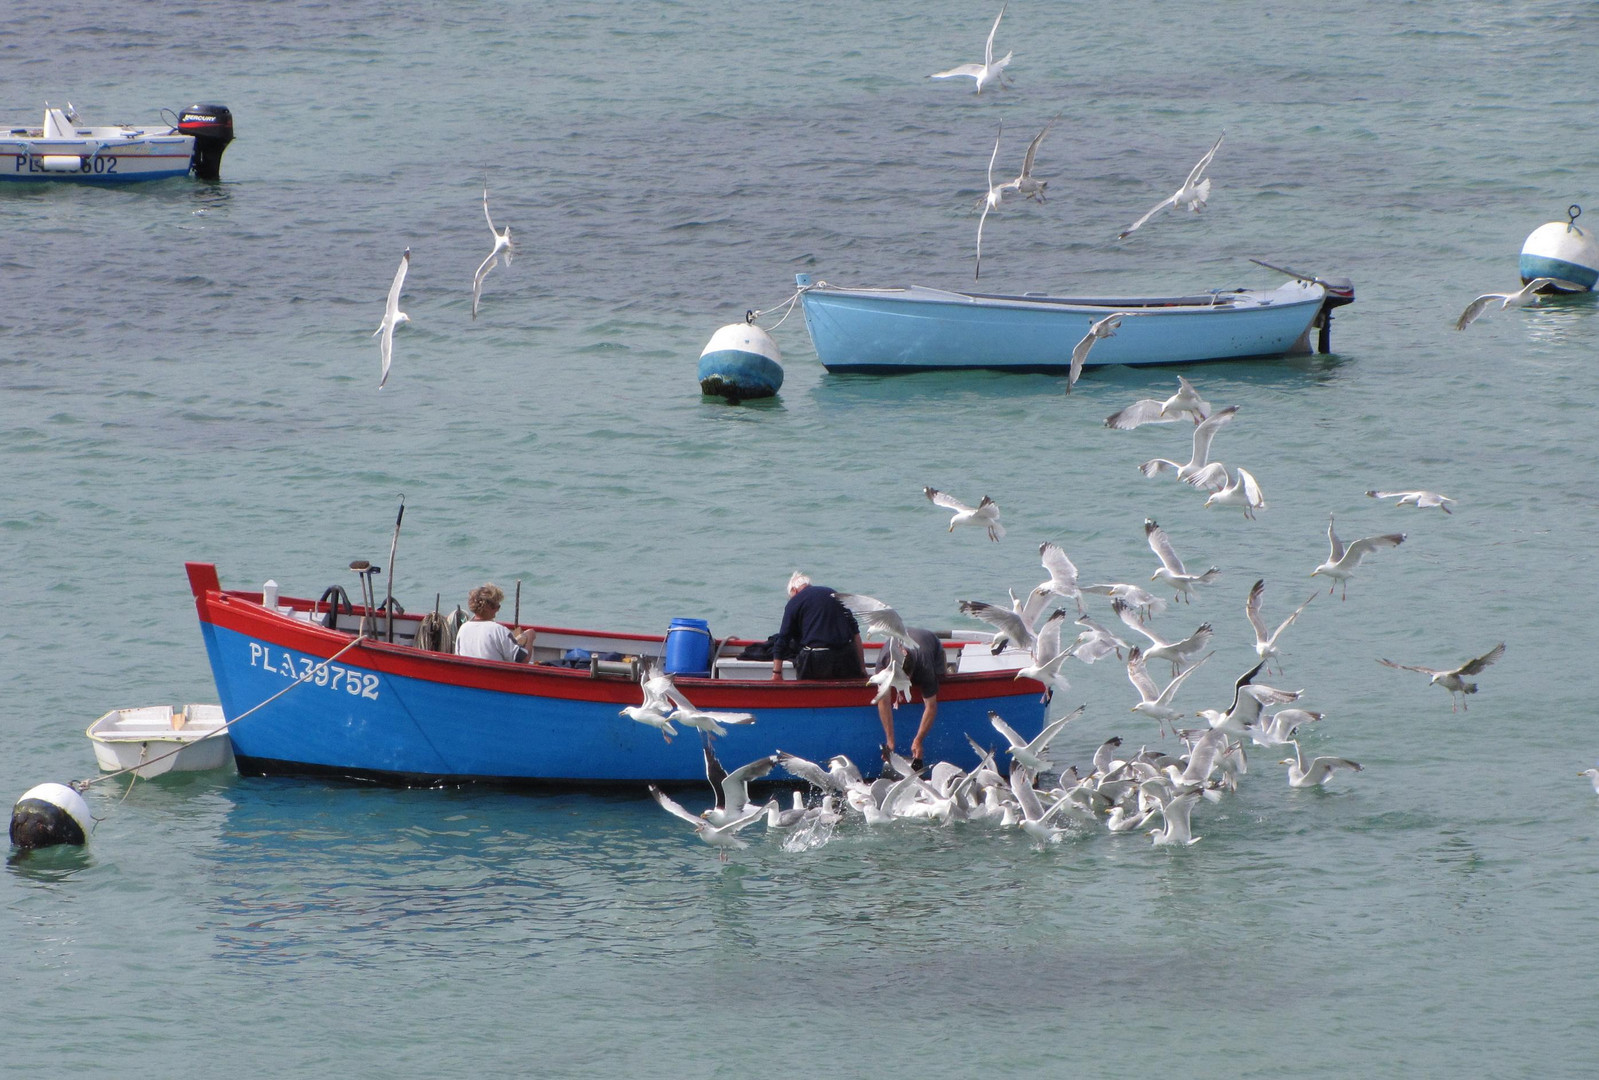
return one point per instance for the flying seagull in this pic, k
(1453, 679)
(1104, 328)
(1204, 432)
(392, 317)
(1191, 196)
(986, 73)
(1185, 402)
(985, 513)
(502, 251)
(1422, 500)
(1342, 559)
(1528, 294)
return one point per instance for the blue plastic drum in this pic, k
(688, 647)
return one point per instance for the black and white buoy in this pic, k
(1562, 250)
(49, 814)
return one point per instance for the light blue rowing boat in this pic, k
(884, 331)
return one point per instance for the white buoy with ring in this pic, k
(1562, 250)
(50, 814)
(741, 361)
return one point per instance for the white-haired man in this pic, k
(818, 633)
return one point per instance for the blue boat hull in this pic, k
(917, 329)
(394, 714)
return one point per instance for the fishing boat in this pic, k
(159, 739)
(331, 688)
(62, 148)
(884, 331)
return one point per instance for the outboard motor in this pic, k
(212, 128)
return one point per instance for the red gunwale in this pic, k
(241, 612)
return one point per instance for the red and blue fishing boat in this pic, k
(323, 688)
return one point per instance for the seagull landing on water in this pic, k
(985, 513)
(1342, 560)
(1185, 402)
(1528, 294)
(392, 317)
(1316, 771)
(1191, 196)
(502, 251)
(1421, 500)
(988, 73)
(1453, 679)
(1104, 328)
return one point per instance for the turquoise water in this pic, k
(186, 372)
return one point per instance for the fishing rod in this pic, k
(388, 603)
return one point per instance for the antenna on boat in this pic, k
(364, 570)
(388, 602)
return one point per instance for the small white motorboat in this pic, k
(63, 148)
(191, 739)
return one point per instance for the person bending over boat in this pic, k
(481, 638)
(923, 666)
(818, 633)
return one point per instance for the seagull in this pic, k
(1062, 574)
(1179, 653)
(986, 512)
(731, 789)
(1278, 728)
(1422, 500)
(1035, 819)
(644, 714)
(1185, 402)
(1010, 625)
(1191, 196)
(1176, 813)
(892, 682)
(815, 775)
(1171, 567)
(1592, 775)
(1314, 773)
(1243, 491)
(1136, 597)
(1104, 328)
(1155, 703)
(1266, 644)
(1095, 642)
(502, 251)
(721, 837)
(392, 317)
(1204, 432)
(991, 201)
(1030, 754)
(1527, 294)
(1242, 714)
(1342, 560)
(875, 617)
(1047, 657)
(988, 72)
(1451, 679)
(661, 690)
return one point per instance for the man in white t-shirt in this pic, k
(481, 638)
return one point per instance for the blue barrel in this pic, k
(688, 647)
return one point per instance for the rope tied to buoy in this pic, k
(752, 315)
(85, 785)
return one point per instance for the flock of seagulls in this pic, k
(1022, 783)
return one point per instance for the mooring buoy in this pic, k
(49, 814)
(740, 362)
(1562, 250)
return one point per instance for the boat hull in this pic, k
(394, 714)
(918, 329)
(160, 157)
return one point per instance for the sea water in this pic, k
(187, 373)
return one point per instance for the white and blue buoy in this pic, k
(740, 362)
(1562, 250)
(49, 814)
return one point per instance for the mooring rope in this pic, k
(84, 785)
(751, 316)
